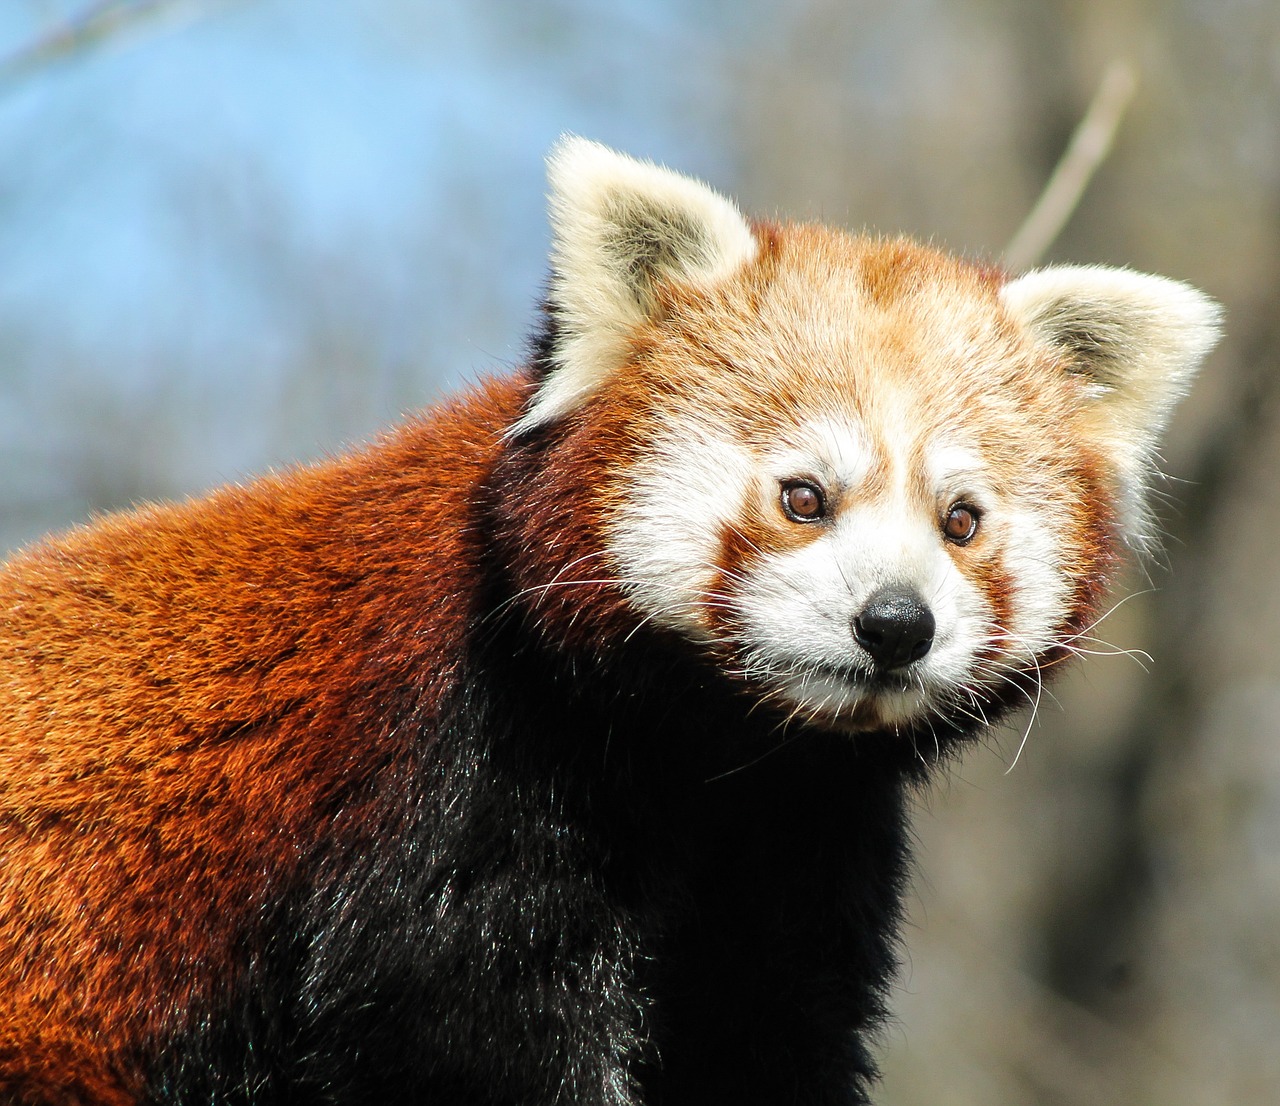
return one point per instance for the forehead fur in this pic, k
(825, 324)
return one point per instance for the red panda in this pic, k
(554, 748)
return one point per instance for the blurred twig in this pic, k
(1087, 149)
(97, 23)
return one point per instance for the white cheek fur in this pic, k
(665, 541)
(1041, 596)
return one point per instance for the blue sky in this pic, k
(180, 206)
(357, 123)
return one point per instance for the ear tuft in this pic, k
(621, 228)
(1136, 341)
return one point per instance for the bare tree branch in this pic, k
(100, 21)
(1087, 149)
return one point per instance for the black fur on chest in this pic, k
(623, 891)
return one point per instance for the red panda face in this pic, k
(879, 486)
(852, 480)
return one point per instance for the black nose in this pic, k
(895, 627)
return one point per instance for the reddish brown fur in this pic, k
(260, 630)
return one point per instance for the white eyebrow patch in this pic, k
(836, 449)
(955, 468)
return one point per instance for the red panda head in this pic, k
(879, 485)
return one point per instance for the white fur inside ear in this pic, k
(1136, 340)
(620, 228)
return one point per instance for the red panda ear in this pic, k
(1136, 341)
(622, 227)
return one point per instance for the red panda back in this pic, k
(188, 686)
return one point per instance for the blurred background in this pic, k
(240, 233)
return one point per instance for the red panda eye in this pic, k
(803, 502)
(961, 524)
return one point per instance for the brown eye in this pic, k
(961, 524)
(803, 502)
